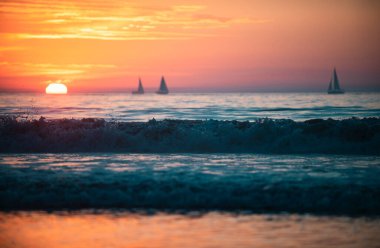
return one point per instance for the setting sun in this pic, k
(56, 88)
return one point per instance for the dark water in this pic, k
(319, 184)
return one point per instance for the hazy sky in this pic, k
(252, 45)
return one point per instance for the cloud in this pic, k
(37, 69)
(58, 81)
(110, 35)
(113, 21)
(11, 48)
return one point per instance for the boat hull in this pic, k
(335, 92)
(162, 92)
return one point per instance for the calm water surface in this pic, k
(221, 106)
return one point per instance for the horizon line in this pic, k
(193, 90)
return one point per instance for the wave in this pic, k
(176, 188)
(279, 136)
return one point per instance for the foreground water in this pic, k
(214, 229)
(188, 200)
(306, 197)
(195, 106)
(319, 184)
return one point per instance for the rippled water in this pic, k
(258, 183)
(221, 106)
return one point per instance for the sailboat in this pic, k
(163, 90)
(334, 87)
(140, 89)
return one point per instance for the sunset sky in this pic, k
(236, 45)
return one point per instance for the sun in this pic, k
(56, 88)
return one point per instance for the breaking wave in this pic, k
(348, 136)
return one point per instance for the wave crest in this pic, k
(348, 136)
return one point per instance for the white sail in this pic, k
(163, 88)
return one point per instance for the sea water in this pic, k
(193, 106)
(316, 184)
(169, 198)
(187, 200)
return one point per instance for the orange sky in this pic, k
(98, 45)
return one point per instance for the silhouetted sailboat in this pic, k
(163, 90)
(140, 89)
(334, 87)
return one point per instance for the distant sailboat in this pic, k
(334, 87)
(140, 89)
(163, 90)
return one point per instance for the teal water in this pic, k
(315, 184)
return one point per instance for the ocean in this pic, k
(218, 169)
(192, 106)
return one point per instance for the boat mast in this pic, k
(163, 86)
(331, 83)
(140, 89)
(336, 81)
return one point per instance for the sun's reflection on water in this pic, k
(106, 229)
